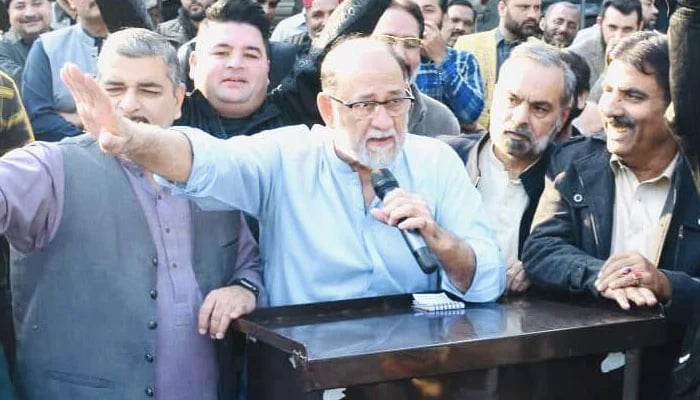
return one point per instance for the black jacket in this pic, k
(469, 146)
(198, 113)
(572, 233)
(572, 230)
(684, 53)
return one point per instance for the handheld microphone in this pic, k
(383, 182)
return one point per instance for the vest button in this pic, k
(155, 261)
(149, 391)
(148, 357)
(153, 293)
(152, 324)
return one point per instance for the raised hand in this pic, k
(434, 46)
(99, 115)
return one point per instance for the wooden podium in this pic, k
(381, 348)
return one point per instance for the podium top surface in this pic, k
(365, 334)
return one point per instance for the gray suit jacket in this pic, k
(592, 50)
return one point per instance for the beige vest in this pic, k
(483, 46)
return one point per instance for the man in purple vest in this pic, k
(120, 289)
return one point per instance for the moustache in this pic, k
(522, 132)
(622, 122)
(139, 118)
(376, 134)
(30, 19)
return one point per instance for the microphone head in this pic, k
(383, 182)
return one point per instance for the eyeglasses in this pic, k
(409, 43)
(396, 107)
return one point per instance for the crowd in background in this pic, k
(561, 137)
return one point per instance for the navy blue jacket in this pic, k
(572, 233)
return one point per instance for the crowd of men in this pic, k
(167, 181)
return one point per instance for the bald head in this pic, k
(365, 101)
(358, 54)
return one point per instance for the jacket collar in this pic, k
(260, 120)
(532, 178)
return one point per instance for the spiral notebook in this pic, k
(435, 302)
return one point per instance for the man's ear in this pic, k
(542, 24)
(323, 102)
(565, 113)
(179, 98)
(599, 21)
(501, 8)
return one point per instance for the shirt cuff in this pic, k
(200, 175)
(489, 280)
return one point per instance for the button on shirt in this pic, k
(317, 241)
(505, 201)
(184, 360)
(638, 207)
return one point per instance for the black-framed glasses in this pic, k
(409, 43)
(395, 107)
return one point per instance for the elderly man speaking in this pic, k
(325, 235)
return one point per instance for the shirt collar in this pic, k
(501, 39)
(491, 158)
(618, 166)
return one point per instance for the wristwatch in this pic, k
(248, 285)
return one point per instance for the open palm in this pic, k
(99, 116)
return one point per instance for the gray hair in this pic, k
(140, 43)
(546, 56)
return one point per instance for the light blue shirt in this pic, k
(317, 241)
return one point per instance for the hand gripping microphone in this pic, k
(383, 182)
